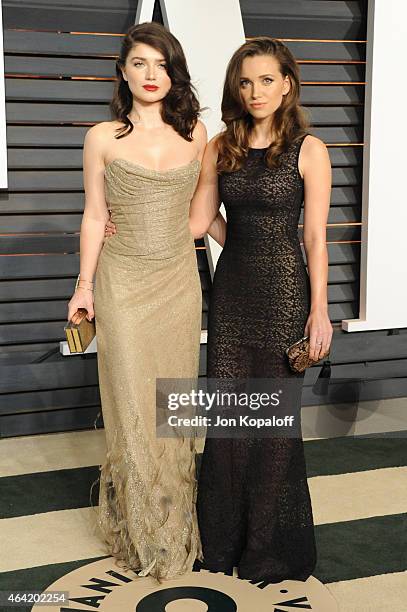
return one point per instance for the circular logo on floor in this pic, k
(103, 586)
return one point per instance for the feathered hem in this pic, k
(148, 556)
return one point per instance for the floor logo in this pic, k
(104, 587)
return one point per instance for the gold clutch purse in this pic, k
(298, 355)
(79, 331)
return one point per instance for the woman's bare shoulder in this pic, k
(199, 129)
(211, 152)
(213, 144)
(99, 137)
(103, 130)
(200, 135)
(313, 145)
(314, 157)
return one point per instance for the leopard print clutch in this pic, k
(298, 355)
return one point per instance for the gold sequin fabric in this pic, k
(148, 307)
(254, 506)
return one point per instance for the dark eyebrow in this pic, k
(144, 58)
(261, 76)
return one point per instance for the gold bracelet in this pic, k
(78, 280)
(86, 288)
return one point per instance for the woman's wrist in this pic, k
(319, 307)
(84, 288)
(83, 283)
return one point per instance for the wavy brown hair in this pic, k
(289, 120)
(180, 107)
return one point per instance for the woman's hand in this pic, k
(82, 298)
(319, 330)
(110, 228)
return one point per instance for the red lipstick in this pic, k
(150, 87)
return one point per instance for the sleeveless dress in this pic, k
(148, 307)
(254, 508)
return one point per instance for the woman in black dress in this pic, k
(254, 506)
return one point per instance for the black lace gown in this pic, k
(254, 507)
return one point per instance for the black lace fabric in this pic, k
(254, 507)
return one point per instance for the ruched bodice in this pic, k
(148, 307)
(150, 208)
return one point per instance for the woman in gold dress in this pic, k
(144, 167)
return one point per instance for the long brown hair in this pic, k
(180, 107)
(289, 121)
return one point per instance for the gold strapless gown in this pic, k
(148, 307)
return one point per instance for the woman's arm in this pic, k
(314, 164)
(217, 229)
(94, 218)
(205, 202)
